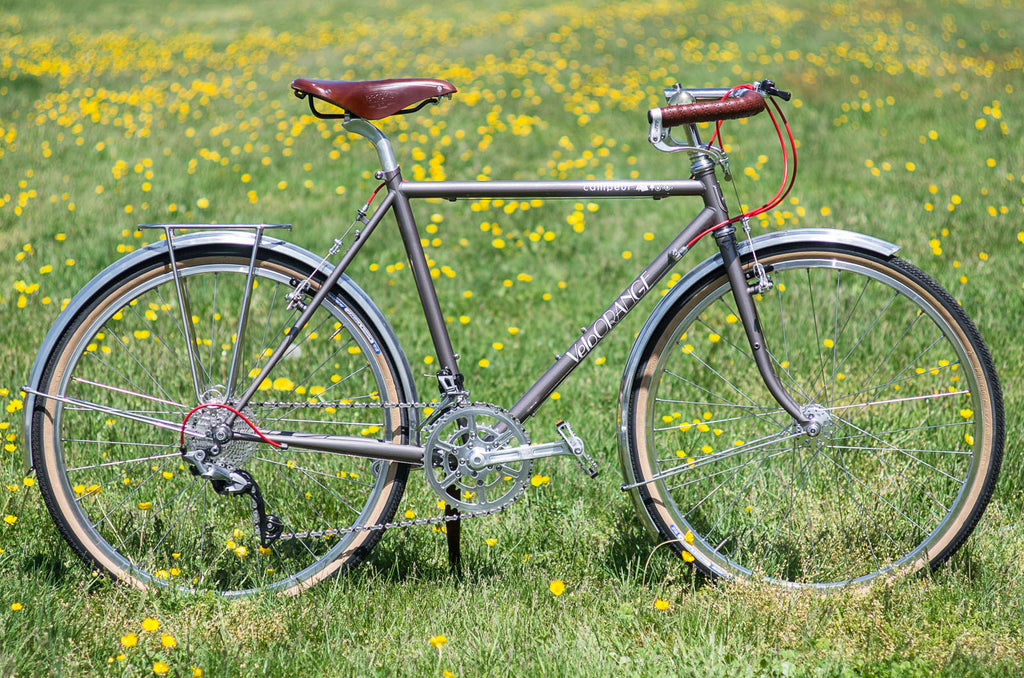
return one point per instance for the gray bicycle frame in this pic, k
(400, 192)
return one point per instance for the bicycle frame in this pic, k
(400, 192)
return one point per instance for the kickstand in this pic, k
(453, 530)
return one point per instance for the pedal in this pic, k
(575, 444)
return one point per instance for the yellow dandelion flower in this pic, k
(16, 607)
(167, 640)
(160, 668)
(661, 605)
(150, 624)
(129, 640)
(557, 587)
(438, 641)
(283, 384)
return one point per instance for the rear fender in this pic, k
(145, 257)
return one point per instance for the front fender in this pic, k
(765, 244)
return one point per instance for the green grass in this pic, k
(909, 130)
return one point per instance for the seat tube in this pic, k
(421, 272)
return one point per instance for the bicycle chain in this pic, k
(354, 406)
(416, 522)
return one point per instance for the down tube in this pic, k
(536, 395)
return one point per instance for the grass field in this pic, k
(909, 126)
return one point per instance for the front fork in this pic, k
(742, 293)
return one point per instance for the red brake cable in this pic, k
(788, 178)
(229, 409)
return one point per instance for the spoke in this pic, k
(861, 512)
(785, 518)
(123, 462)
(875, 493)
(200, 486)
(159, 423)
(814, 321)
(892, 401)
(889, 447)
(713, 458)
(184, 334)
(97, 384)
(864, 334)
(298, 493)
(775, 452)
(310, 472)
(765, 413)
(712, 422)
(131, 355)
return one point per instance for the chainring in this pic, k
(456, 435)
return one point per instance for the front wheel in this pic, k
(119, 487)
(871, 348)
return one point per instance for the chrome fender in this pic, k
(144, 257)
(762, 244)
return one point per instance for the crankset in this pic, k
(478, 457)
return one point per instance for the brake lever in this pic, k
(768, 87)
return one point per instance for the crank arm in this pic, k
(481, 460)
(569, 445)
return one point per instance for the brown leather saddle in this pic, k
(374, 99)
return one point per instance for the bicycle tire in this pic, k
(119, 490)
(914, 436)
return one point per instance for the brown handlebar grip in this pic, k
(744, 106)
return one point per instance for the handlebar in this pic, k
(744, 106)
(715, 104)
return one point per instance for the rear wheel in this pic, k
(119, 488)
(872, 349)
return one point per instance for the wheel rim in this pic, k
(883, 490)
(152, 522)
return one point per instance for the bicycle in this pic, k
(803, 407)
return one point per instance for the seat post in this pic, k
(380, 142)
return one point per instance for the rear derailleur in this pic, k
(238, 481)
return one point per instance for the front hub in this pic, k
(822, 426)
